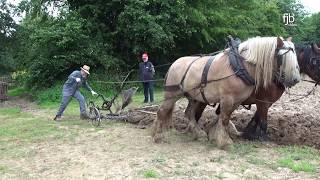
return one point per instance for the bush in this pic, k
(52, 94)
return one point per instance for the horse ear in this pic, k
(279, 42)
(316, 48)
(289, 39)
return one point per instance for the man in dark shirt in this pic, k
(71, 89)
(146, 71)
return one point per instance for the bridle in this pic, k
(280, 56)
(279, 77)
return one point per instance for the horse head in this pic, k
(289, 71)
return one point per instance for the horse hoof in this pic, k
(225, 145)
(250, 136)
(202, 135)
(202, 138)
(264, 137)
(158, 138)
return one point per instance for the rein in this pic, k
(303, 95)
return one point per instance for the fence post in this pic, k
(3, 90)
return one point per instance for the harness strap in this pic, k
(204, 79)
(238, 67)
(236, 62)
(185, 73)
(179, 86)
(172, 87)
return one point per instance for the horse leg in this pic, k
(193, 113)
(164, 116)
(262, 109)
(250, 131)
(220, 132)
(199, 110)
(233, 130)
(257, 127)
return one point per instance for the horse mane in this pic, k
(260, 51)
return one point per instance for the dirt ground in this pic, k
(119, 150)
(291, 120)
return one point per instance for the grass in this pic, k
(18, 91)
(298, 158)
(150, 173)
(243, 148)
(300, 152)
(10, 111)
(255, 160)
(139, 97)
(137, 100)
(18, 130)
(297, 166)
(3, 169)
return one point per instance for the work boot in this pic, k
(84, 116)
(57, 118)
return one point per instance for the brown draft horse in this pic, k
(261, 56)
(309, 63)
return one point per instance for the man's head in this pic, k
(145, 57)
(85, 71)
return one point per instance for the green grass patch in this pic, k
(17, 91)
(138, 98)
(297, 166)
(300, 152)
(3, 169)
(10, 111)
(299, 158)
(26, 129)
(19, 130)
(150, 173)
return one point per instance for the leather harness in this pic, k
(204, 80)
(236, 62)
(237, 65)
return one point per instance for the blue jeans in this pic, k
(66, 99)
(148, 91)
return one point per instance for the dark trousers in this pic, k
(66, 99)
(148, 91)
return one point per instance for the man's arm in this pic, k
(86, 85)
(152, 69)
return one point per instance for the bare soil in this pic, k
(293, 119)
(120, 150)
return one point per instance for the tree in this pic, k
(112, 35)
(7, 30)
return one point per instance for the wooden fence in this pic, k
(4, 88)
